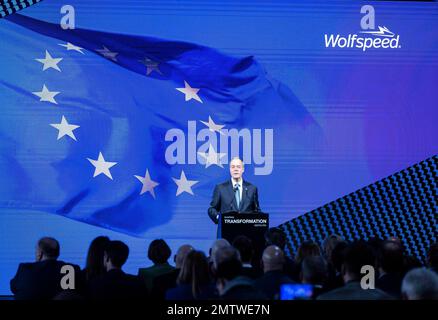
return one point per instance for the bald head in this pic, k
(420, 284)
(273, 259)
(181, 254)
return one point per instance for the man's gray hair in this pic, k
(420, 284)
(218, 244)
(237, 158)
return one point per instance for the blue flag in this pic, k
(132, 132)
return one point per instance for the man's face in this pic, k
(236, 169)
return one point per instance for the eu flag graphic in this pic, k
(124, 131)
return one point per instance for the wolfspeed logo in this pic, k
(370, 38)
(364, 43)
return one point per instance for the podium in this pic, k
(252, 225)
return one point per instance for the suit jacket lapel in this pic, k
(244, 194)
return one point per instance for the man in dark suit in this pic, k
(41, 280)
(356, 255)
(390, 260)
(234, 195)
(274, 276)
(115, 284)
(229, 282)
(244, 245)
(277, 237)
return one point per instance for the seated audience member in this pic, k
(306, 249)
(357, 255)
(114, 283)
(420, 284)
(277, 237)
(158, 252)
(167, 280)
(246, 250)
(274, 276)
(217, 244)
(432, 257)
(230, 284)
(194, 281)
(390, 263)
(409, 262)
(94, 267)
(42, 279)
(375, 244)
(314, 271)
(329, 244)
(337, 258)
(94, 264)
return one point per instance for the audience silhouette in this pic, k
(334, 271)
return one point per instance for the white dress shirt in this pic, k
(240, 183)
(233, 183)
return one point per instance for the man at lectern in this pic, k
(234, 195)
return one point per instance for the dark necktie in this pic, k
(237, 194)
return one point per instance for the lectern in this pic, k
(252, 225)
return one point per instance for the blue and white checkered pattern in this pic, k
(8, 7)
(403, 205)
